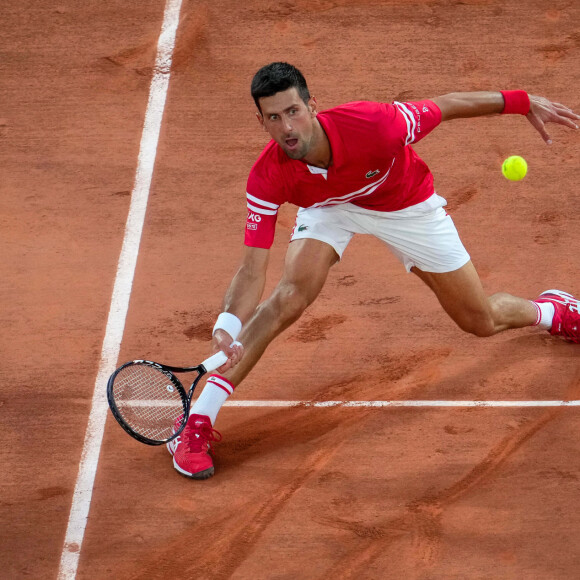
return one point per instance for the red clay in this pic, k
(298, 493)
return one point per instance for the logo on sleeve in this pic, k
(372, 173)
(254, 217)
(253, 220)
(302, 227)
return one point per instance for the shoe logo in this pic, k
(302, 228)
(372, 173)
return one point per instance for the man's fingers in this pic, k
(568, 123)
(545, 136)
(563, 116)
(232, 349)
(565, 111)
(234, 352)
(538, 124)
(544, 111)
(237, 356)
(225, 367)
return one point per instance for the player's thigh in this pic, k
(326, 224)
(306, 267)
(428, 241)
(461, 294)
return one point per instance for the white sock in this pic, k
(214, 395)
(545, 315)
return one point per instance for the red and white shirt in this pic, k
(373, 165)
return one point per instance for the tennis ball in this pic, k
(514, 168)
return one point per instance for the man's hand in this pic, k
(223, 341)
(543, 111)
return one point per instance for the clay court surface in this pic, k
(307, 492)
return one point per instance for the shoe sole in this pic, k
(205, 474)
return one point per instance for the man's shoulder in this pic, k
(270, 160)
(359, 117)
(266, 175)
(357, 109)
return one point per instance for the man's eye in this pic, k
(273, 117)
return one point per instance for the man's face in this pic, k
(289, 121)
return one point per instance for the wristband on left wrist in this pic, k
(515, 103)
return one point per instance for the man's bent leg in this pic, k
(462, 296)
(306, 268)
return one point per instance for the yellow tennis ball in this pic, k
(514, 168)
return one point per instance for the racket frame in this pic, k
(168, 372)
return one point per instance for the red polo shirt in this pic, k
(373, 166)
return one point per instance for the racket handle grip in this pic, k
(215, 361)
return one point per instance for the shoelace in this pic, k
(196, 436)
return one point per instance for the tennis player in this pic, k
(352, 170)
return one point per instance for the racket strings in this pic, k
(148, 400)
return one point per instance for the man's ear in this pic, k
(260, 120)
(313, 106)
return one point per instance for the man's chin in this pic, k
(296, 154)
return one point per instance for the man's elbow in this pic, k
(452, 106)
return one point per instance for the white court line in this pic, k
(425, 403)
(121, 293)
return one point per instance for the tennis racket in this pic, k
(149, 401)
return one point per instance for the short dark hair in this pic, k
(276, 77)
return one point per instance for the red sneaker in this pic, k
(191, 448)
(566, 321)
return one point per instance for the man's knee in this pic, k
(478, 323)
(481, 328)
(289, 301)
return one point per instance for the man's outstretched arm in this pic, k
(539, 112)
(241, 299)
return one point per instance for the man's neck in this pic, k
(320, 155)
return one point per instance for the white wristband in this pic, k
(230, 323)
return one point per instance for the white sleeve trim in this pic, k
(260, 202)
(409, 120)
(262, 211)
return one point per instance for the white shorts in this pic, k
(422, 235)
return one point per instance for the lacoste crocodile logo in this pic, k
(302, 228)
(372, 173)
